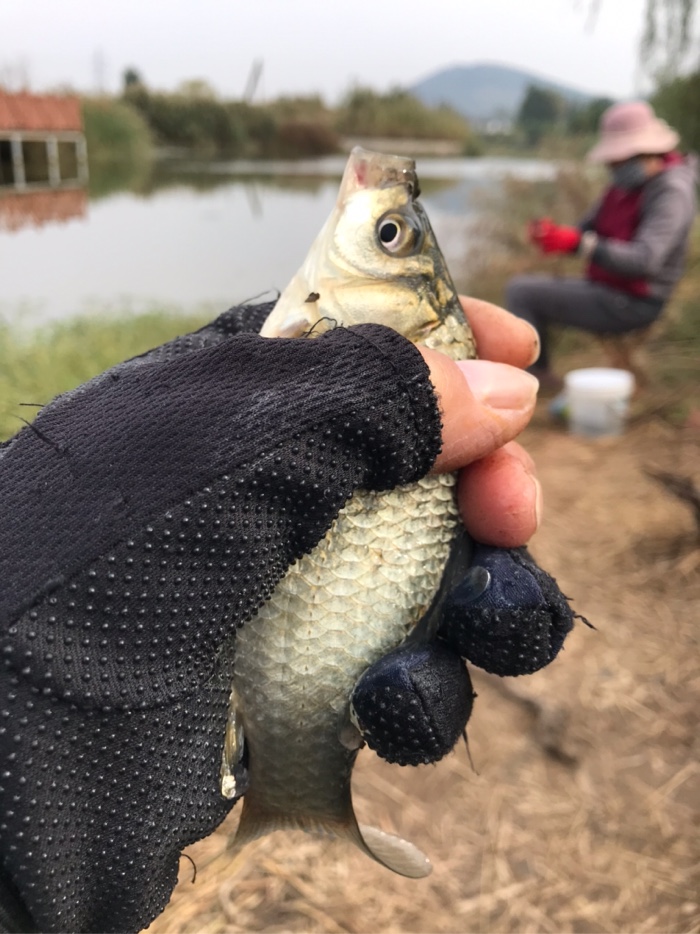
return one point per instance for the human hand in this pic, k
(485, 403)
(506, 615)
(413, 704)
(553, 238)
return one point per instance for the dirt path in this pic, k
(600, 833)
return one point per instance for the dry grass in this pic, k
(603, 837)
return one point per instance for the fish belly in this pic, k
(337, 611)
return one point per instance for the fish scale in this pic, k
(368, 582)
(319, 637)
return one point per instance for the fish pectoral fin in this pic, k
(234, 774)
(456, 570)
(396, 854)
(350, 734)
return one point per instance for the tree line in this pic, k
(194, 117)
(544, 112)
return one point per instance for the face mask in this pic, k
(629, 174)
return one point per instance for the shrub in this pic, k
(299, 138)
(188, 120)
(114, 131)
(678, 102)
(398, 114)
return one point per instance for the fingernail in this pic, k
(499, 385)
(538, 500)
(529, 470)
(535, 344)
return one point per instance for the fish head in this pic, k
(376, 260)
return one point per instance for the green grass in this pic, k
(36, 366)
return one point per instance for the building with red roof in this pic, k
(39, 112)
(42, 143)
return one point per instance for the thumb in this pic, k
(483, 406)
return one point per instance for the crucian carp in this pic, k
(369, 582)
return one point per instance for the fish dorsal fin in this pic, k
(396, 854)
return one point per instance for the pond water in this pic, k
(204, 234)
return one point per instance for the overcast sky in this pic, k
(309, 46)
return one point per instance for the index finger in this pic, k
(499, 335)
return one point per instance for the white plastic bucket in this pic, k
(598, 400)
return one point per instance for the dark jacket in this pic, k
(653, 253)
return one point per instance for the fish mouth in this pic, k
(367, 169)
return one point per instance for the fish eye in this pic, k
(397, 235)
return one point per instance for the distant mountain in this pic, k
(487, 92)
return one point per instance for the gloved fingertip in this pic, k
(412, 706)
(518, 625)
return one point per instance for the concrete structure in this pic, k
(42, 143)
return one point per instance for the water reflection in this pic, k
(310, 175)
(38, 207)
(185, 235)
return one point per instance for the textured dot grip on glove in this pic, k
(414, 703)
(518, 625)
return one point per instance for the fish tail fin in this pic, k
(255, 822)
(258, 820)
(390, 851)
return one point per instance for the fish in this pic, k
(366, 586)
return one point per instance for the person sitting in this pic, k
(634, 240)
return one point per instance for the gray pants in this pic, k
(578, 303)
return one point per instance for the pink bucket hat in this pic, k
(632, 129)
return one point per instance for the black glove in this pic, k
(517, 625)
(506, 615)
(413, 704)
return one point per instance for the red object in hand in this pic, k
(553, 238)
